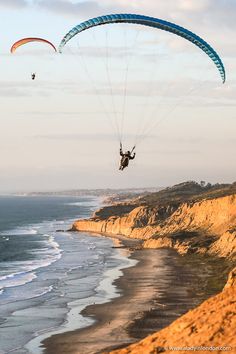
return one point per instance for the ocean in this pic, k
(48, 275)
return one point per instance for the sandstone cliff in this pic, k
(212, 324)
(188, 218)
(205, 226)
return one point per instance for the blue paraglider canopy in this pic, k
(151, 22)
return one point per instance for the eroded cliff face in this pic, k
(138, 223)
(212, 324)
(215, 216)
(207, 226)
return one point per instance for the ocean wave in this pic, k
(46, 256)
(46, 252)
(20, 231)
(25, 276)
(25, 271)
(42, 292)
(16, 279)
(87, 204)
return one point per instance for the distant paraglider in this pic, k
(28, 40)
(24, 41)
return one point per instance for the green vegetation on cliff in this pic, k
(188, 192)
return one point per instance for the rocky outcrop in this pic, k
(225, 246)
(209, 327)
(139, 223)
(215, 216)
(206, 226)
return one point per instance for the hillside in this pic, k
(188, 192)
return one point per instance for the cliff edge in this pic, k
(188, 217)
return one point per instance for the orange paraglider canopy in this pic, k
(31, 39)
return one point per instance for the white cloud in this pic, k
(82, 9)
(13, 3)
(194, 5)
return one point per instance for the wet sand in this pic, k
(159, 289)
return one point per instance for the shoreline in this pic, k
(136, 312)
(106, 291)
(102, 313)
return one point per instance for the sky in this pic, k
(153, 88)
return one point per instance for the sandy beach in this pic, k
(155, 292)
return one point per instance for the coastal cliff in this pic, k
(209, 327)
(203, 222)
(190, 218)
